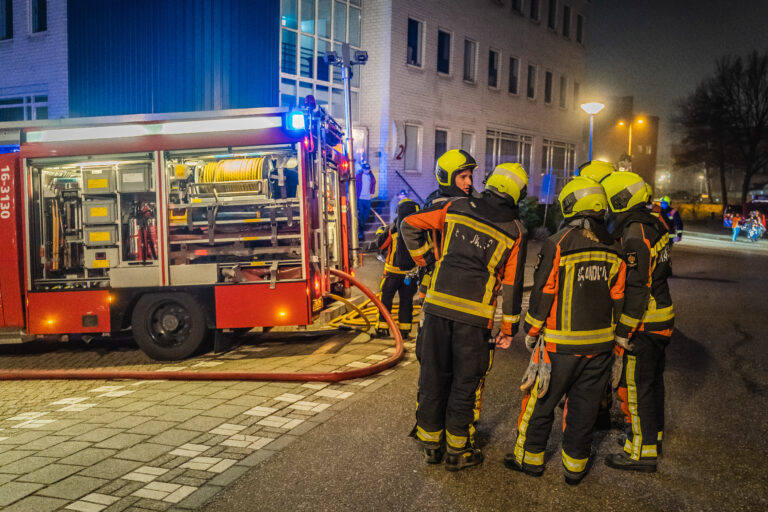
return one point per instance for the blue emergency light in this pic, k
(296, 121)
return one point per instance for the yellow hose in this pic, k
(361, 316)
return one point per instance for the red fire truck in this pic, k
(171, 225)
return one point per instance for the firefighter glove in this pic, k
(624, 343)
(618, 361)
(530, 342)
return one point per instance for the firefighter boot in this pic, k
(434, 455)
(467, 458)
(623, 439)
(511, 463)
(382, 333)
(623, 461)
(405, 334)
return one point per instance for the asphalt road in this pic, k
(715, 443)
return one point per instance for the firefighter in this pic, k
(453, 171)
(672, 219)
(646, 323)
(399, 272)
(578, 286)
(596, 170)
(484, 244)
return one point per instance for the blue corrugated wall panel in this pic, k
(144, 56)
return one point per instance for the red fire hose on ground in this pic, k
(186, 375)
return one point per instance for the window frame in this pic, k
(450, 52)
(32, 8)
(475, 50)
(562, 100)
(28, 103)
(517, 79)
(447, 133)
(580, 21)
(548, 74)
(420, 61)
(519, 9)
(534, 4)
(8, 28)
(552, 15)
(565, 26)
(471, 135)
(497, 51)
(419, 143)
(576, 93)
(528, 84)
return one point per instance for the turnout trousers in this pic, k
(455, 358)
(641, 391)
(395, 283)
(582, 379)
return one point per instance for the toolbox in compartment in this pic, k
(96, 236)
(134, 178)
(106, 257)
(100, 211)
(99, 180)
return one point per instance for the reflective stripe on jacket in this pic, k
(398, 261)
(647, 302)
(483, 246)
(578, 286)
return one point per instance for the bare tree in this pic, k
(725, 120)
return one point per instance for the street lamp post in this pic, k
(345, 61)
(591, 109)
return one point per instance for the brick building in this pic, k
(500, 78)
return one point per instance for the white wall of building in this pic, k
(423, 97)
(36, 63)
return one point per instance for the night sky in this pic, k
(659, 50)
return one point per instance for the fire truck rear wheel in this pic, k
(168, 326)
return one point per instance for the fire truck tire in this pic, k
(168, 326)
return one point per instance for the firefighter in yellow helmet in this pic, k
(454, 171)
(578, 286)
(596, 170)
(646, 322)
(484, 245)
(399, 272)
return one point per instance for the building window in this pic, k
(514, 75)
(579, 28)
(441, 142)
(531, 83)
(502, 147)
(517, 6)
(566, 21)
(6, 19)
(548, 87)
(39, 15)
(470, 57)
(443, 52)
(576, 94)
(412, 147)
(552, 14)
(467, 141)
(493, 69)
(24, 108)
(557, 167)
(563, 91)
(415, 34)
(308, 30)
(535, 10)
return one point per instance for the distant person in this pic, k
(403, 194)
(366, 185)
(672, 219)
(736, 224)
(756, 226)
